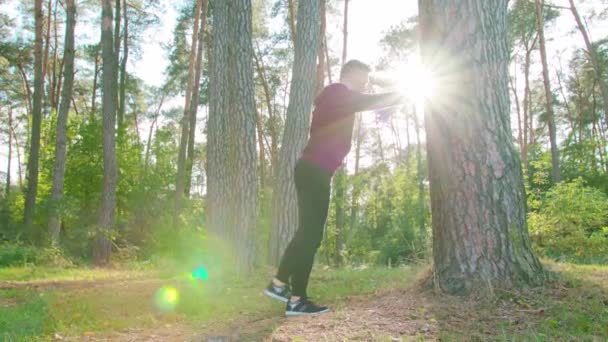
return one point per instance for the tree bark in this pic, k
(32, 165)
(231, 151)
(321, 62)
(195, 98)
(117, 20)
(592, 52)
(292, 24)
(180, 182)
(7, 190)
(96, 73)
(123, 64)
(555, 174)
(297, 124)
(101, 253)
(62, 121)
(420, 176)
(480, 238)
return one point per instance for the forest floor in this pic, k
(368, 304)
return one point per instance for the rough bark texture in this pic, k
(297, 124)
(62, 121)
(232, 157)
(32, 164)
(180, 181)
(480, 237)
(555, 174)
(101, 253)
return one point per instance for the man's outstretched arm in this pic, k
(351, 101)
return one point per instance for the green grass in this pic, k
(51, 274)
(76, 311)
(575, 303)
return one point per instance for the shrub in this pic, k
(571, 223)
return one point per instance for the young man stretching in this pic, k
(330, 141)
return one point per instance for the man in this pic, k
(330, 141)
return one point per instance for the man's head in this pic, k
(355, 74)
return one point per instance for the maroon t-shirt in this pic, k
(331, 129)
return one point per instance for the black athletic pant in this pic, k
(313, 188)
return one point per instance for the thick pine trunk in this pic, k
(231, 151)
(62, 121)
(180, 181)
(480, 237)
(555, 174)
(297, 124)
(32, 164)
(102, 249)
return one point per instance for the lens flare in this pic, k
(200, 273)
(166, 298)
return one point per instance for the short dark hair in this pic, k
(352, 65)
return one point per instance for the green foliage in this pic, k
(387, 228)
(18, 254)
(572, 223)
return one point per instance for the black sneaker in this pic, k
(279, 293)
(304, 307)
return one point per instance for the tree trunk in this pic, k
(17, 149)
(513, 83)
(116, 69)
(232, 158)
(527, 112)
(53, 79)
(292, 24)
(47, 41)
(32, 165)
(27, 92)
(420, 176)
(180, 182)
(101, 254)
(96, 73)
(592, 52)
(345, 33)
(62, 121)
(195, 98)
(328, 63)
(7, 190)
(354, 211)
(480, 238)
(555, 174)
(339, 185)
(321, 62)
(123, 63)
(150, 131)
(297, 124)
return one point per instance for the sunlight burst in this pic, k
(417, 82)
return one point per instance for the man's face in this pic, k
(360, 80)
